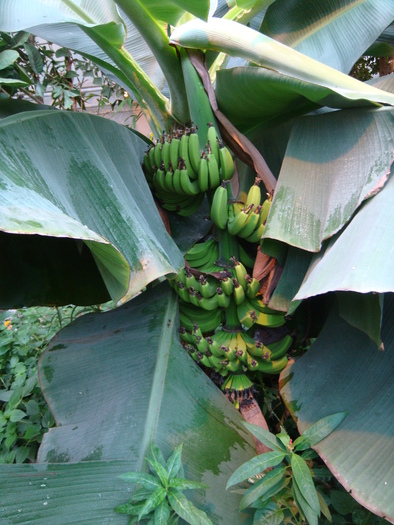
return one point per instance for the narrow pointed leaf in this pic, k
(345, 372)
(336, 33)
(174, 462)
(318, 431)
(258, 489)
(343, 155)
(255, 466)
(265, 437)
(185, 484)
(66, 187)
(303, 479)
(112, 381)
(186, 510)
(271, 514)
(324, 507)
(152, 502)
(159, 469)
(304, 506)
(146, 480)
(162, 513)
(156, 454)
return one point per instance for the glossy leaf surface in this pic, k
(75, 179)
(336, 33)
(344, 371)
(113, 381)
(342, 155)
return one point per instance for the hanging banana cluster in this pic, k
(179, 173)
(207, 296)
(245, 220)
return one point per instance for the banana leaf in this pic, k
(343, 156)
(335, 33)
(115, 382)
(78, 219)
(344, 371)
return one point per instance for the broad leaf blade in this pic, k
(336, 33)
(112, 381)
(74, 176)
(255, 466)
(318, 431)
(362, 251)
(345, 372)
(162, 513)
(343, 155)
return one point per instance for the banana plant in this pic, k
(79, 225)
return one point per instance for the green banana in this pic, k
(255, 236)
(209, 304)
(265, 208)
(252, 286)
(240, 272)
(192, 207)
(213, 171)
(251, 223)
(152, 157)
(165, 155)
(236, 223)
(239, 293)
(234, 366)
(270, 320)
(219, 206)
(206, 257)
(186, 336)
(174, 151)
(226, 283)
(245, 258)
(199, 249)
(208, 321)
(203, 176)
(226, 162)
(194, 150)
(212, 139)
(158, 159)
(181, 290)
(146, 162)
(271, 367)
(184, 155)
(169, 180)
(280, 348)
(223, 299)
(208, 286)
(188, 187)
(254, 194)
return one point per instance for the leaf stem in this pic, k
(155, 36)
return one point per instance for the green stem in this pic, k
(228, 247)
(144, 91)
(199, 106)
(155, 36)
(232, 321)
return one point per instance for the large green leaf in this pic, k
(341, 155)
(360, 258)
(344, 371)
(241, 41)
(76, 178)
(335, 32)
(115, 382)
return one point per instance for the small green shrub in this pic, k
(24, 415)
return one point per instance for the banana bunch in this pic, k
(246, 220)
(179, 173)
(202, 256)
(235, 352)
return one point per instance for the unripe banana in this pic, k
(265, 208)
(158, 158)
(165, 155)
(184, 155)
(207, 304)
(219, 206)
(152, 158)
(251, 223)
(252, 286)
(212, 138)
(213, 171)
(226, 162)
(174, 151)
(280, 348)
(207, 287)
(240, 272)
(236, 223)
(239, 293)
(223, 299)
(254, 194)
(255, 236)
(194, 151)
(203, 177)
(226, 283)
(188, 187)
(192, 207)
(199, 249)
